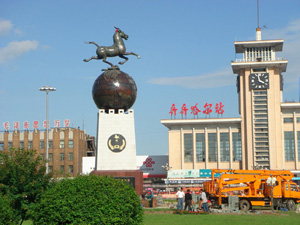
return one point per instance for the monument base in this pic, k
(132, 177)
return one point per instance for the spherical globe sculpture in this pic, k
(114, 89)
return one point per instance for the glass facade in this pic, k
(236, 146)
(289, 146)
(212, 147)
(200, 147)
(188, 148)
(224, 147)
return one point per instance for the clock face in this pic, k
(259, 80)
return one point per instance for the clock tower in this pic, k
(259, 86)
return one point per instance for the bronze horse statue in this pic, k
(117, 49)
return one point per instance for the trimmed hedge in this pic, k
(89, 200)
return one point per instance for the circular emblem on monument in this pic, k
(116, 143)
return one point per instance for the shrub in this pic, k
(22, 179)
(89, 200)
(6, 210)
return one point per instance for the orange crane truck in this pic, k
(253, 188)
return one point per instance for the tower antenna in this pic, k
(257, 13)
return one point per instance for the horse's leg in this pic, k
(104, 60)
(132, 53)
(122, 56)
(91, 42)
(93, 57)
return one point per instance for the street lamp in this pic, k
(167, 168)
(47, 89)
(271, 182)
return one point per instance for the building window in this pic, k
(70, 168)
(298, 119)
(29, 144)
(1, 146)
(42, 156)
(236, 146)
(22, 144)
(50, 144)
(212, 147)
(62, 168)
(62, 156)
(62, 144)
(200, 147)
(50, 157)
(288, 120)
(42, 144)
(289, 146)
(50, 169)
(188, 148)
(70, 143)
(71, 156)
(224, 147)
(10, 144)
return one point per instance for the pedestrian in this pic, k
(204, 200)
(180, 196)
(188, 200)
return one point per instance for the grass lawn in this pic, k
(165, 217)
(157, 218)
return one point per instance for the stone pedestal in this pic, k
(133, 177)
(116, 147)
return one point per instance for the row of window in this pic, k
(42, 144)
(291, 120)
(212, 147)
(61, 169)
(61, 156)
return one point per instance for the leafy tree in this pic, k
(89, 200)
(22, 179)
(6, 211)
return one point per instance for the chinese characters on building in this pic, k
(194, 110)
(35, 124)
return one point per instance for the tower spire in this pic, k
(258, 30)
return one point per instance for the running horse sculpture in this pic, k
(117, 49)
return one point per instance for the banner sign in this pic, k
(35, 124)
(195, 110)
(191, 173)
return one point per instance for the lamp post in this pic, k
(47, 89)
(167, 168)
(271, 182)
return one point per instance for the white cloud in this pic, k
(291, 48)
(15, 49)
(5, 26)
(291, 52)
(221, 78)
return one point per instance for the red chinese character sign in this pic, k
(173, 110)
(16, 125)
(6, 125)
(184, 109)
(195, 110)
(207, 110)
(26, 125)
(66, 122)
(219, 108)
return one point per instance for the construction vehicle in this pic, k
(253, 188)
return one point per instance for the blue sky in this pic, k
(185, 46)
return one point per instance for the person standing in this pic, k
(204, 200)
(180, 196)
(188, 200)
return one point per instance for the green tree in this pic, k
(22, 179)
(89, 200)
